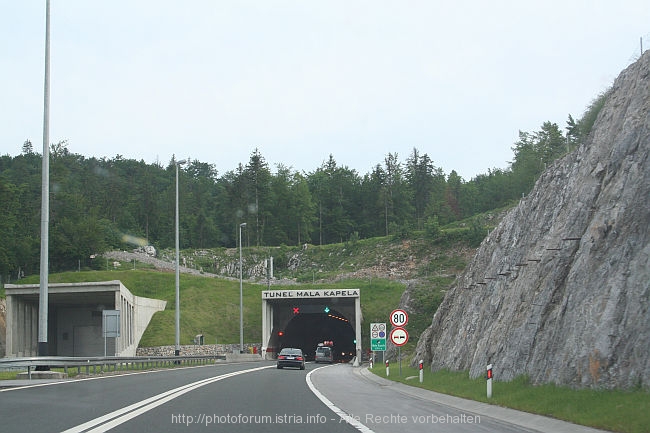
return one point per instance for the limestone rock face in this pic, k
(560, 290)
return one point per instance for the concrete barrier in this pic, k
(241, 357)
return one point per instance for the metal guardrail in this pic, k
(104, 363)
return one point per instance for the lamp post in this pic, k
(177, 350)
(43, 293)
(241, 297)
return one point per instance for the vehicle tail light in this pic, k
(282, 357)
(299, 358)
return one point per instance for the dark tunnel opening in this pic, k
(306, 331)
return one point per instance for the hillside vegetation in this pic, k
(381, 267)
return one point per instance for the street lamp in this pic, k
(177, 350)
(241, 297)
(43, 292)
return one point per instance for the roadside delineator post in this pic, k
(421, 365)
(489, 376)
(387, 369)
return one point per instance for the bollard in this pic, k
(488, 376)
(421, 365)
(387, 369)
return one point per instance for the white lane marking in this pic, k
(115, 418)
(340, 412)
(110, 376)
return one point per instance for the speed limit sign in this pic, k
(399, 318)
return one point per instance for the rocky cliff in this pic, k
(559, 291)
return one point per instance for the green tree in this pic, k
(258, 178)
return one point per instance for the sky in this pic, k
(301, 80)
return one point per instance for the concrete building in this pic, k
(75, 319)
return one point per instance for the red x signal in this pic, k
(296, 310)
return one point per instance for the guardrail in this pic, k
(104, 363)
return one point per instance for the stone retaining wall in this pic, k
(195, 349)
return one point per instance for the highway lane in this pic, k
(60, 406)
(246, 397)
(268, 400)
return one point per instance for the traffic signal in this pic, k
(296, 310)
(326, 310)
(354, 341)
(280, 333)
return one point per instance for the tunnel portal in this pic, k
(305, 318)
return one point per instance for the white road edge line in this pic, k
(115, 418)
(340, 412)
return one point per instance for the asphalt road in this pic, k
(246, 397)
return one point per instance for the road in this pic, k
(246, 397)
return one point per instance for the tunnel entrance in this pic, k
(303, 319)
(307, 330)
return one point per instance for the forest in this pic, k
(100, 204)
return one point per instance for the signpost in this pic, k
(377, 338)
(399, 336)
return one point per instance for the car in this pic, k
(324, 354)
(291, 357)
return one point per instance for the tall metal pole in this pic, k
(241, 296)
(45, 198)
(177, 350)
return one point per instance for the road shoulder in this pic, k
(524, 419)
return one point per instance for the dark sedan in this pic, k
(291, 357)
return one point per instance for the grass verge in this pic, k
(620, 411)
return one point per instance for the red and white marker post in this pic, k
(488, 376)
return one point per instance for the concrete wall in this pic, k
(136, 315)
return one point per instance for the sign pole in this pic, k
(104, 331)
(399, 355)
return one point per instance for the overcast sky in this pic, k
(299, 80)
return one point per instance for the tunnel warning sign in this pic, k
(377, 336)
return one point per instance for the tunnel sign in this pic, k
(399, 336)
(399, 318)
(298, 294)
(377, 336)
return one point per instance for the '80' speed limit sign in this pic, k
(399, 318)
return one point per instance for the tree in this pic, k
(28, 149)
(258, 178)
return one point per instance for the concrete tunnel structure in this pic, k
(304, 318)
(75, 318)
